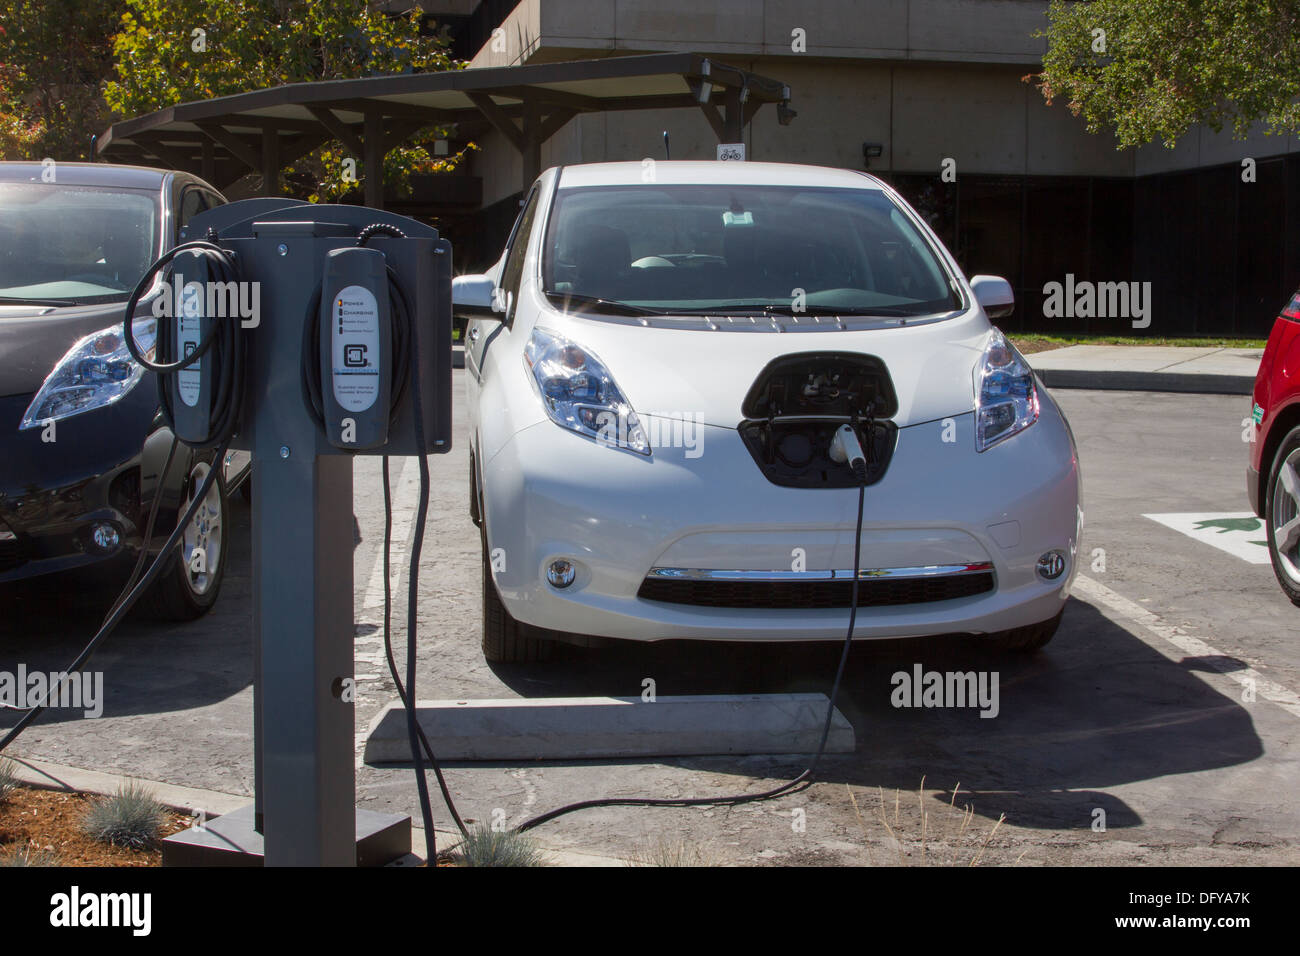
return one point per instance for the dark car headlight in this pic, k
(95, 373)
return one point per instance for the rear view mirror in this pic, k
(473, 296)
(994, 295)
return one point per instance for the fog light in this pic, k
(561, 573)
(1051, 565)
(105, 536)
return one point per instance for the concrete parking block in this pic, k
(563, 728)
(1149, 368)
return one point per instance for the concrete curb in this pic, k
(586, 728)
(1130, 381)
(47, 775)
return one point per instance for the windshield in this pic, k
(74, 245)
(736, 249)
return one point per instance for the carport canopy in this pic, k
(225, 138)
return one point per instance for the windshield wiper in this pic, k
(18, 300)
(884, 311)
(605, 305)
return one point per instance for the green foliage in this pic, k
(131, 818)
(487, 847)
(176, 51)
(54, 56)
(1163, 66)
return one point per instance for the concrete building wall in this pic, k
(976, 31)
(984, 117)
(928, 79)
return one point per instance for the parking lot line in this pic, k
(405, 491)
(1144, 620)
(369, 647)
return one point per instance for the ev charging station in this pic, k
(349, 355)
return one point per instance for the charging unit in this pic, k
(356, 349)
(348, 338)
(190, 391)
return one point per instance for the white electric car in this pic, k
(657, 367)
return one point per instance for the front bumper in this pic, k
(102, 466)
(552, 494)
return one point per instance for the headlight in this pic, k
(95, 372)
(580, 394)
(1006, 399)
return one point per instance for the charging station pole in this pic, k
(302, 569)
(303, 538)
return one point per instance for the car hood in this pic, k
(705, 373)
(34, 338)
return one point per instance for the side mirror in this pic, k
(472, 297)
(994, 295)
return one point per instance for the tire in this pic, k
(1282, 509)
(505, 640)
(1030, 638)
(181, 593)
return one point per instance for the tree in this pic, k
(54, 56)
(1148, 69)
(18, 133)
(175, 51)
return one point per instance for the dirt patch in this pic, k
(1028, 344)
(50, 820)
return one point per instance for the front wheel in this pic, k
(1282, 515)
(188, 586)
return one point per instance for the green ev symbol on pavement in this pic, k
(1224, 525)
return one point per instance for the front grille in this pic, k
(885, 592)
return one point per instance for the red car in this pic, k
(1273, 475)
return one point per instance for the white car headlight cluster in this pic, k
(95, 373)
(580, 394)
(1006, 398)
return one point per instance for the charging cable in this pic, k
(845, 448)
(803, 780)
(224, 338)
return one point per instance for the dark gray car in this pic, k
(82, 439)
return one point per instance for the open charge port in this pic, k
(796, 404)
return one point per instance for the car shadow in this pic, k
(1096, 709)
(149, 666)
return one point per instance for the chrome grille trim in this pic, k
(865, 574)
